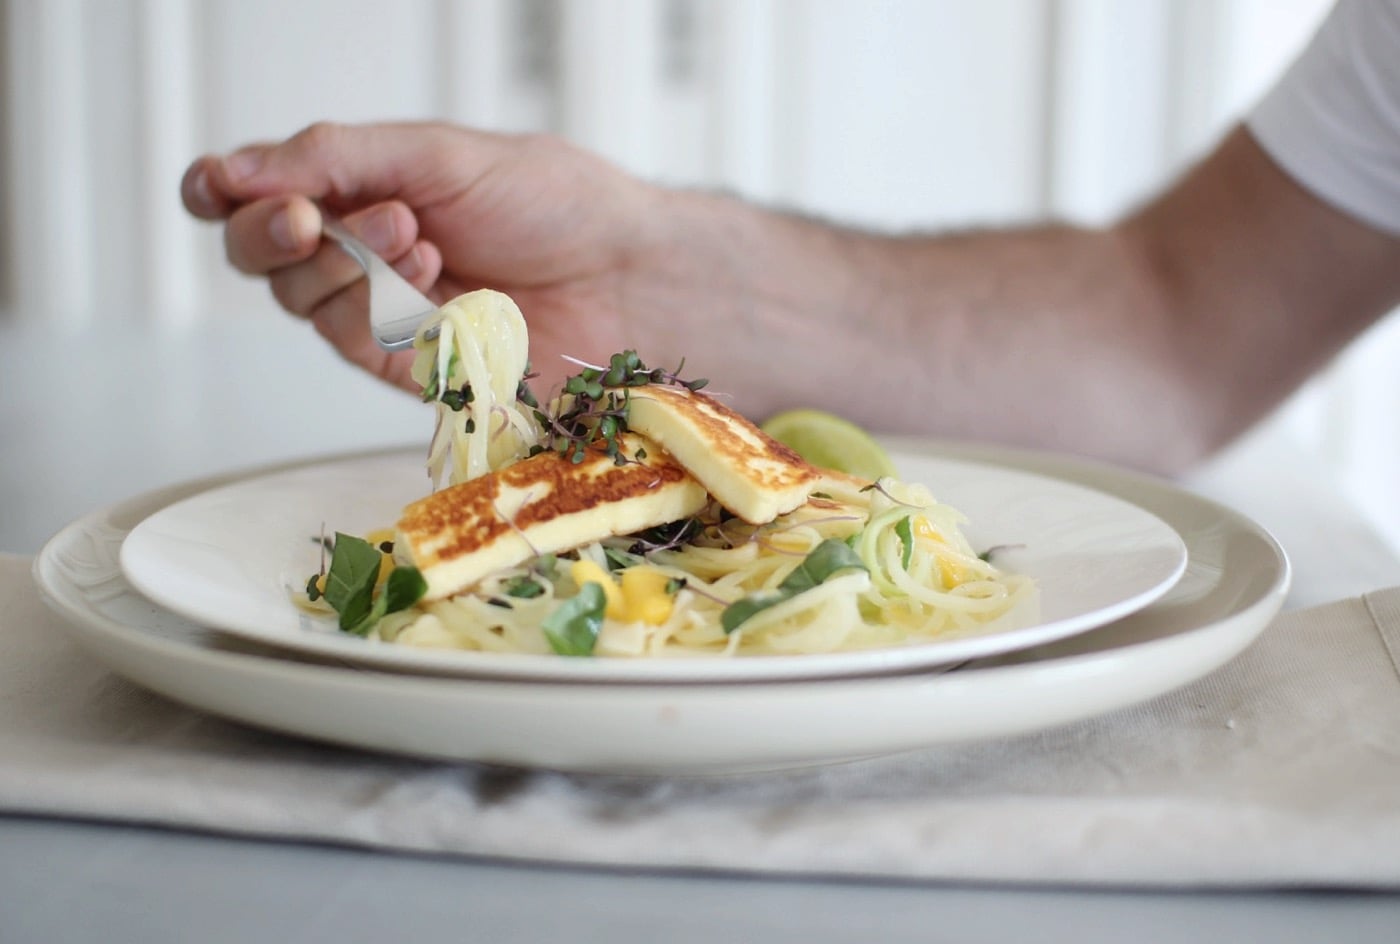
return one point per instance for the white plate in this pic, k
(1234, 584)
(231, 558)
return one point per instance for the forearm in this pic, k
(1046, 337)
(1264, 282)
(1150, 343)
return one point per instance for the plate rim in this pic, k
(699, 670)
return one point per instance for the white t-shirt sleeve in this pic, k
(1333, 121)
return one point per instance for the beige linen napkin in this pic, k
(1283, 768)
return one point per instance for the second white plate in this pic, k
(232, 557)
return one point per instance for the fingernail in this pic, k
(378, 232)
(295, 227)
(284, 231)
(200, 185)
(243, 164)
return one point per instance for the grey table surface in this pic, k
(116, 412)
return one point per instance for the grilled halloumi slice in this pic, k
(541, 505)
(747, 471)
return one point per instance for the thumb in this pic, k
(352, 165)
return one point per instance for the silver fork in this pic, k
(396, 308)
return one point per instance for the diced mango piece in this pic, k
(922, 529)
(585, 571)
(644, 589)
(951, 572)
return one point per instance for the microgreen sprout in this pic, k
(879, 486)
(595, 404)
(523, 393)
(458, 400)
(986, 556)
(665, 537)
(510, 522)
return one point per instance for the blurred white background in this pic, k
(895, 114)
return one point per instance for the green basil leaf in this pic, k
(905, 532)
(375, 614)
(404, 588)
(572, 629)
(350, 580)
(827, 558)
(741, 609)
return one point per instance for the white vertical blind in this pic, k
(473, 75)
(1112, 87)
(902, 114)
(166, 112)
(270, 68)
(610, 59)
(51, 233)
(742, 119)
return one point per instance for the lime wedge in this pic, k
(831, 442)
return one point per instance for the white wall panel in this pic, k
(610, 71)
(741, 121)
(111, 161)
(1112, 88)
(683, 116)
(913, 114)
(168, 281)
(474, 73)
(274, 67)
(51, 190)
(1200, 55)
(1364, 425)
(271, 68)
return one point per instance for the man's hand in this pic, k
(453, 210)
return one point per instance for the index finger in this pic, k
(349, 166)
(199, 193)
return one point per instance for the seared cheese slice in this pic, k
(747, 471)
(541, 505)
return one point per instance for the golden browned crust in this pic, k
(740, 447)
(467, 518)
